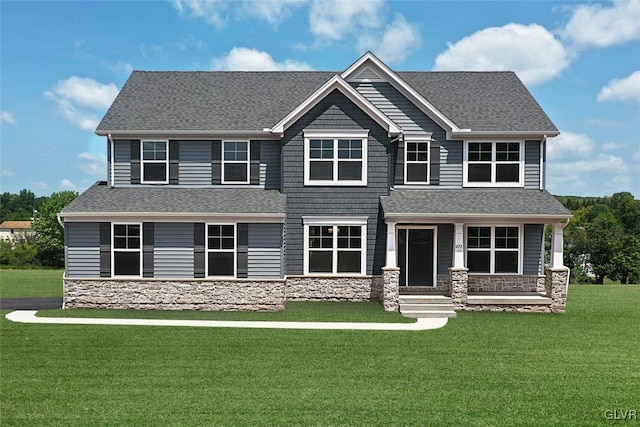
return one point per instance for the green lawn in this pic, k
(482, 369)
(30, 283)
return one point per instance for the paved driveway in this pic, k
(30, 303)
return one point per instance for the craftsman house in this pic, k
(243, 190)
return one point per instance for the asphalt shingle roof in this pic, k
(474, 201)
(213, 100)
(99, 198)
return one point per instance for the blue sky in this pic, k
(62, 63)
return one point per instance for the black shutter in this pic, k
(243, 251)
(399, 173)
(198, 250)
(147, 249)
(135, 161)
(254, 165)
(105, 249)
(216, 162)
(174, 162)
(434, 156)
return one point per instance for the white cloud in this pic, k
(596, 25)
(122, 68)
(529, 50)
(68, 185)
(399, 40)
(7, 117)
(8, 173)
(78, 98)
(334, 19)
(214, 12)
(245, 59)
(40, 185)
(613, 146)
(569, 145)
(93, 164)
(627, 89)
(272, 11)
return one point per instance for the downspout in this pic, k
(543, 144)
(112, 152)
(397, 138)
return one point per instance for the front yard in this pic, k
(481, 369)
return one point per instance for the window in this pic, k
(416, 169)
(154, 162)
(494, 163)
(221, 250)
(335, 160)
(335, 248)
(235, 163)
(126, 249)
(493, 249)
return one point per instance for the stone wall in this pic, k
(513, 308)
(557, 284)
(390, 290)
(322, 288)
(192, 294)
(505, 283)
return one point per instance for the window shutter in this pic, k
(216, 162)
(198, 251)
(105, 249)
(434, 157)
(135, 161)
(174, 162)
(399, 173)
(147, 249)
(254, 165)
(243, 251)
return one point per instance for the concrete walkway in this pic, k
(29, 316)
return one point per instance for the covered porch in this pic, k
(481, 249)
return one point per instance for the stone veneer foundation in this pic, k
(506, 283)
(322, 288)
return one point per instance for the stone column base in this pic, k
(459, 286)
(557, 285)
(390, 288)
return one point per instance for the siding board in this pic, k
(264, 255)
(532, 164)
(173, 252)
(82, 249)
(532, 256)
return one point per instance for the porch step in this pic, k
(421, 306)
(506, 298)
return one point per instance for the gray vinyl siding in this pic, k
(445, 247)
(195, 163)
(451, 164)
(335, 112)
(532, 256)
(82, 249)
(173, 250)
(532, 164)
(270, 164)
(265, 251)
(122, 164)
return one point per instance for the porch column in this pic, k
(458, 254)
(557, 260)
(391, 245)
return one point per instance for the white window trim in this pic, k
(246, 162)
(336, 222)
(493, 162)
(335, 135)
(492, 250)
(113, 250)
(207, 250)
(428, 162)
(143, 162)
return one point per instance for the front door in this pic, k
(416, 256)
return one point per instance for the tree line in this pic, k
(601, 241)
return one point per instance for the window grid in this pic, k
(500, 243)
(155, 162)
(335, 161)
(221, 250)
(235, 162)
(498, 163)
(126, 252)
(335, 249)
(417, 162)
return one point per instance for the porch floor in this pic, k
(508, 298)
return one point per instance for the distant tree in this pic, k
(18, 207)
(49, 233)
(604, 234)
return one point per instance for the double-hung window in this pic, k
(493, 249)
(494, 164)
(338, 158)
(155, 169)
(235, 162)
(335, 248)
(221, 250)
(416, 169)
(127, 249)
